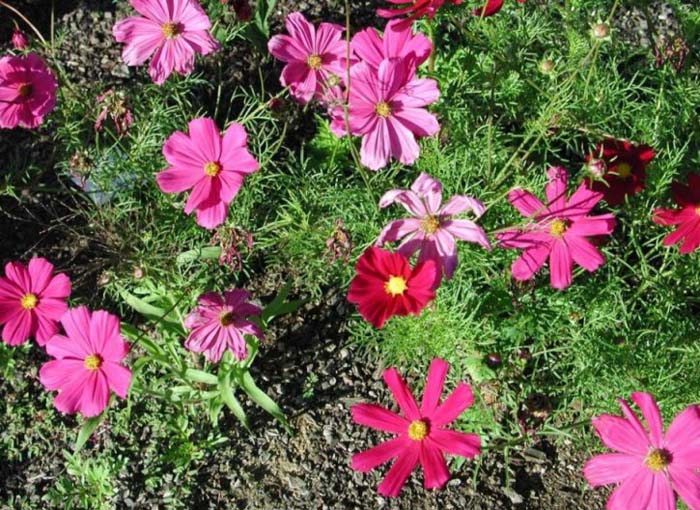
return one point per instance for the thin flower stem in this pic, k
(23, 18)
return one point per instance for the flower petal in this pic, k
(610, 468)
(379, 418)
(396, 478)
(402, 394)
(380, 454)
(454, 405)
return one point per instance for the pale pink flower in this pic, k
(423, 436)
(173, 31)
(27, 91)
(315, 58)
(649, 467)
(220, 323)
(398, 41)
(386, 106)
(213, 166)
(32, 300)
(432, 229)
(559, 232)
(89, 362)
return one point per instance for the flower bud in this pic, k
(601, 31)
(19, 40)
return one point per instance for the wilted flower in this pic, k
(339, 245)
(423, 436)
(221, 322)
(19, 39)
(89, 362)
(242, 9)
(32, 300)
(230, 240)
(116, 106)
(673, 51)
(649, 467)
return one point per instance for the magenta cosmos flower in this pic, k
(432, 229)
(386, 106)
(650, 467)
(32, 300)
(416, 9)
(27, 91)
(213, 166)
(398, 41)
(686, 218)
(220, 322)
(422, 436)
(173, 31)
(559, 231)
(315, 58)
(88, 364)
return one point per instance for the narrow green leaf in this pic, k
(231, 401)
(202, 253)
(87, 429)
(263, 400)
(200, 376)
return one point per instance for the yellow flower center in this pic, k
(25, 90)
(29, 301)
(227, 318)
(383, 109)
(396, 285)
(314, 61)
(558, 227)
(93, 362)
(212, 168)
(430, 225)
(624, 170)
(657, 460)
(333, 80)
(171, 30)
(418, 430)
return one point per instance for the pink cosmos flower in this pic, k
(432, 229)
(213, 166)
(315, 58)
(650, 467)
(416, 9)
(27, 91)
(422, 436)
(560, 231)
(386, 106)
(173, 31)
(491, 7)
(88, 364)
(398, 41)
(32, 300)
(220, 323)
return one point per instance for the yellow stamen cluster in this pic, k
(314, 61)
(227, 318)
(29, 301)
(624, 170)
(212, 169)
(558, 227)
(430, 225)
(383, 109)
(418, 430)
(171, 30)
(25, 90)
(93, 362)
(658, 460)
(396, 285)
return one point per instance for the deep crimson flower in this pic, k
(560, 232)
(32, 300)
(88, 362)
(416, 9)
(649, 466)
(687, 217)
(386, 285)
(626, 169)
(491, 8)
(422, 436)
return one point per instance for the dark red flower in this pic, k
(386, 285)
(626, 169)
(491, 8)
(687, 217)
(415, 9)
